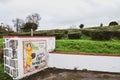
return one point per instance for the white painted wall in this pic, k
(94, 63)
(50, 44)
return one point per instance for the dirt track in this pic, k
(57, 74)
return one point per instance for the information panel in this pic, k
(34, 55)
(24, 56)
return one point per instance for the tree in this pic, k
(18, 23)
(101, 25)
(29, 25)
(5, 27)
(81, 26)
(9, 28)
(113, 23)
(33, 18)
(32, 22)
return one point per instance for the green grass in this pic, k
(1, 42)
(88, 46)
(3, 76)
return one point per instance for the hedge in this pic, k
(101, 35)
(40, 34)
(116, 34)
(75, 35)
(59, 35)
(87, 32)
(71, 34)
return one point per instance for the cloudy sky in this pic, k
(58, 14)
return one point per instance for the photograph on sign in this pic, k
(7, 61)
(5, 44)
(13, 44)
(15, 73)
(34, 55)
(7, 69)
(14, 54)
(6, 52)
(13, 63)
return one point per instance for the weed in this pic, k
(85, 70)
(75, 69)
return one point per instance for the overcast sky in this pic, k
(58, 14)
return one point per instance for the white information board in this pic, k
(25, 56)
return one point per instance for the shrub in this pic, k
(40, 34)
(116, 34)
(1, 35)
(5, 33)
(13, 34)
(24, 34)
(86, 32)
(81, 25)
(101, 35)
(65, 32)
(59, 35)
(74, 35)
(58, 31)
(20, 34)
(30, 25)
(50, 33)
(113, 23)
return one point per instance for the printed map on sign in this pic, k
(34, 55)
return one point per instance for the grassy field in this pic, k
(88, 46)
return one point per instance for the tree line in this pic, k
(31, 22)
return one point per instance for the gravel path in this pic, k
(58, 74)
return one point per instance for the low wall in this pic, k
(89, 62)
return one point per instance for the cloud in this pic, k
(62, 13)
(4, 1)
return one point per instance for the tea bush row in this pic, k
(70, 34)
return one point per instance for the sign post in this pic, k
(31, 32)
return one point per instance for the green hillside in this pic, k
(108, 28)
